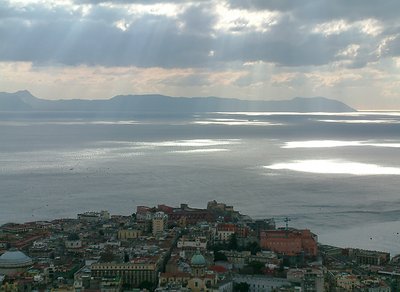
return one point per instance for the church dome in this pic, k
(14, 259)
(198, 259)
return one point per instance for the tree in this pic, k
(126, 258)
(219, 256)
(107, 256)
(146, 285)
(257, 267)
(241, 287)
(233, 242)
(253, 247)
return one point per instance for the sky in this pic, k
(247, 49)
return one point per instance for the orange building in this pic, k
(290, 242)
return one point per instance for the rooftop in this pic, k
(14, 258)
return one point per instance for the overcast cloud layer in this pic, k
(254, 49)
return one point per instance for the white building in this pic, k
(259, 283)
(73, 241)
(94, 216)
(190, 242)
(160, 221)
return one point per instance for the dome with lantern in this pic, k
(198, 259)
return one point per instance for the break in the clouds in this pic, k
(269, 49)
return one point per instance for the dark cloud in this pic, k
(254, 47)
(325, 9)
(56, 35)
(279, 5)
(149, 41)
(351, 10)
(289, 44)
(143, 2)
(199, 19)
(392, 47)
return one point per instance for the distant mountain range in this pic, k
(25, 101)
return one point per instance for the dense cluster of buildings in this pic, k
(181, 248)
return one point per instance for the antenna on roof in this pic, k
(287, 219)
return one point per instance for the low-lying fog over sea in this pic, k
(337, 174)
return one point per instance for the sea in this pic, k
(337, 174)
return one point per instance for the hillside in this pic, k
(25, 101)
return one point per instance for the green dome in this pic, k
(198, 259)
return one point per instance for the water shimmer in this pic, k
(339, 179)
(332, 143)
(336, 167)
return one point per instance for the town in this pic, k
(182, 248)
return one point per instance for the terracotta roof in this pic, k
(218, 269)
(175, 275)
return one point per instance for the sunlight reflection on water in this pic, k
(337, 143)
(361, 121)
(335, 167)
(235, 122)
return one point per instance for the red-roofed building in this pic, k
(165, 208)
(144, 213)
(218, 269)
(225, 230)
(290, 242)
(186, 213)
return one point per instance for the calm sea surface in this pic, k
(337, 174)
